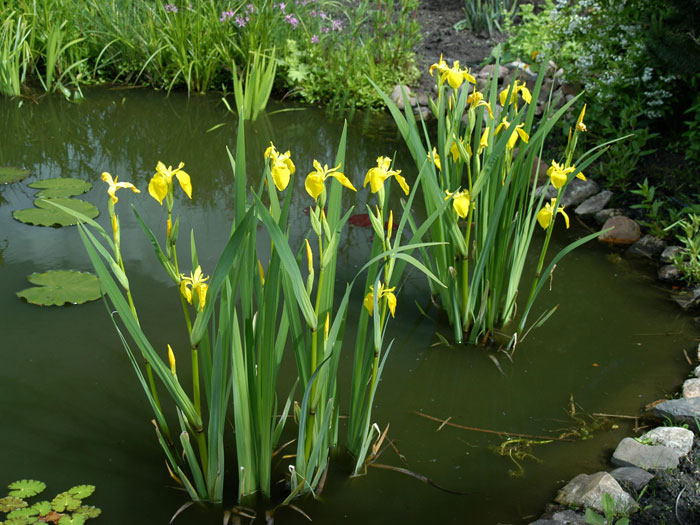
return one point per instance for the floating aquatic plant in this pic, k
(46, 214)
(59, 287)
(61, 187)
(65, 508)
(9, 174)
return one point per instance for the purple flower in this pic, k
(170, 8)
(314, 39)
(250, 8)
(225, 15)
(241, 21)
(325, 30)
(282, 6)
(337, 25)
(293, 21)
(323, 15)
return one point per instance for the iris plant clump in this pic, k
(477, 177)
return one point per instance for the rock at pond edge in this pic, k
(624, 231)
(635, 477)
(681, 411)
(631, 453)
(678, 438)
(587, 491)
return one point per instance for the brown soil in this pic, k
(437, 19)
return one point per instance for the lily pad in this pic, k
(82, 491)
(58, 287)
(11, 503)
(88, 511)
(61, 187)
(75, 519)
(26, 488)
(65, 502)
(42, 507)
(10, 174)
(45, 214)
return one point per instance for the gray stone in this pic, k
(631, 453)
(688, 299)
(669, 273)
(624, 231)
(423, 99)
(576, 191)
(608, 213)
(691, 388)
(677, 438)
(697, 371)
(486, 71)
(669, 252)
(587, 490)
(562, 517)
(681, 411)
(397, 98)
(594, 204)
(635, 477)
(648, 247)
(570, 89)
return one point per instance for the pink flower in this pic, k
(314, 39)
(170, 8)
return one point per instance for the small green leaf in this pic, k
(19, 520)
(28, 513)
(42, 507)
(10, 174)
(82, 491)
(59, 287)
(47, 215)
(10, 503)
(88, 511)
(76, 519)
(65, 501)
(26, 488)
(61, 187)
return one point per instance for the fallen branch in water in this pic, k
(446, 422)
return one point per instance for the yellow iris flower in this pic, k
(282, 166)
(580, 126)
(383, 292)
(559, 175)
(519, 87)
(519, 132)
(461, 202)
(441, 67)
(484, 141)
(456, 76)
(162, 181)
(195, 283)
(315, 181)
(377, 176)
(545, 215)
(476, 99)
(114, 186)
(433, 155)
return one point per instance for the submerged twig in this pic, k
(488, 431)
(419, 477)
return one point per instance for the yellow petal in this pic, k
(566, 217)
(185, 290)
(171, 358)
(280, 175)
(525, 93)
(402, 182)
(309, 256)
(184, 180)
(202, 289)
(461, 204)
(544, 216)
(158, 187)
(369, 302)
(314, 184)
(343, 180)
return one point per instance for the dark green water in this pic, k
(72, 411)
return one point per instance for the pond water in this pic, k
(72, 411)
